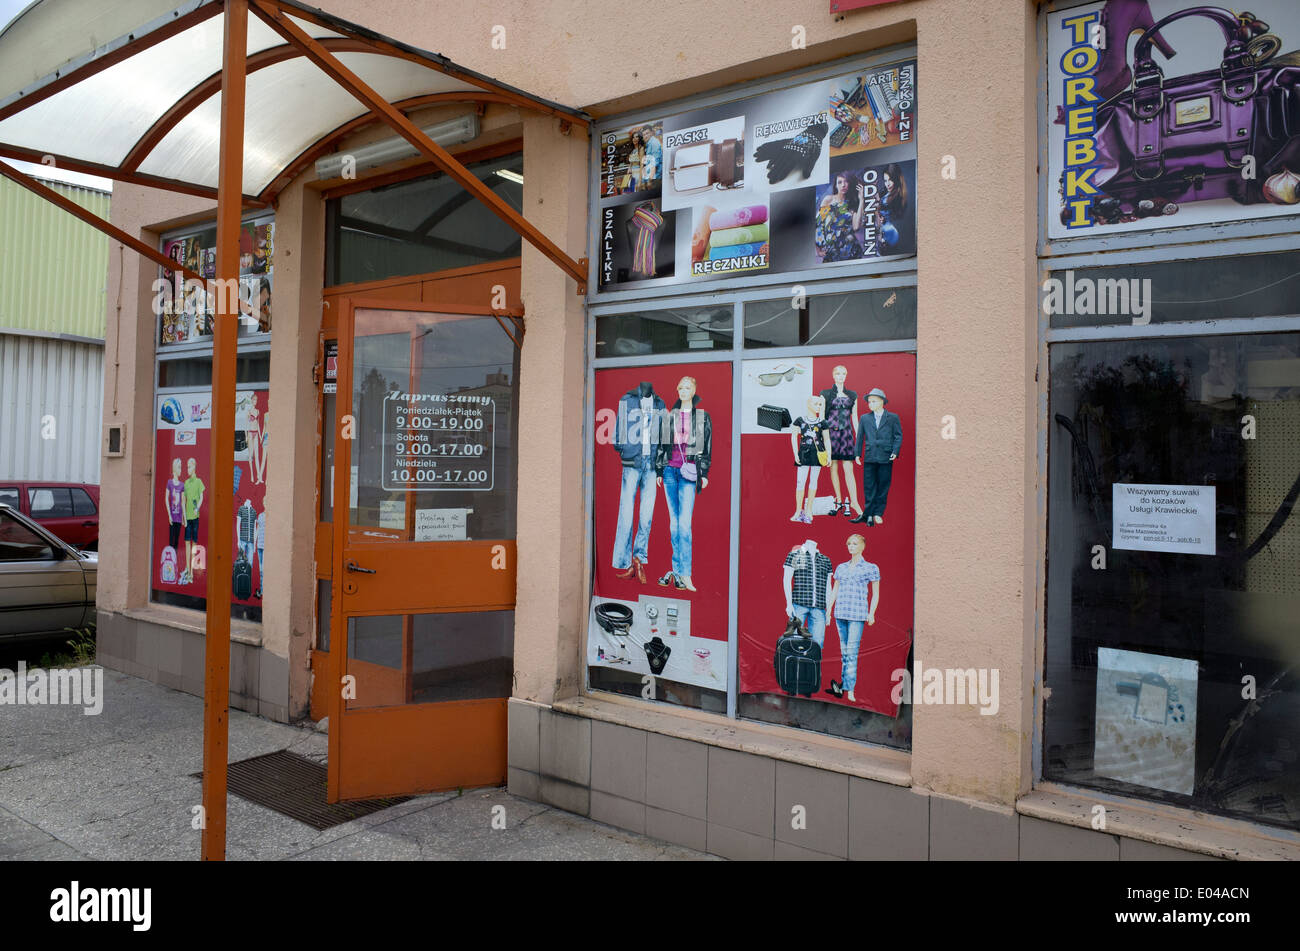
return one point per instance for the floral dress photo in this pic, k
(834, 235)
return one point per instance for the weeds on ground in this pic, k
(81, 653)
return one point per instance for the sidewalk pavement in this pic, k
(119, 786)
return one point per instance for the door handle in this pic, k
(89, 524)
(353, 566)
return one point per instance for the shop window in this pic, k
(254, 367)
(183, 439)
(860, 317)
(185, 311)
(672, 330)
(1174, 571)
(662, 611)
(422, 225)
(658, 625)
(1221, 288)
(1173, 466)
(183, 420)
(710, 585)
(849, 584)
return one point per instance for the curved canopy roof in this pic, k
(133, 90)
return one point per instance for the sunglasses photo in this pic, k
(775, 377)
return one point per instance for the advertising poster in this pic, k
(848, 584)
(1146, 719)
(631, 161)
(818, 175)
(186, 317)
(662, 500)
(1198, 124)
(180, 521)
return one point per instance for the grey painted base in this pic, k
(744, 806)
(173, 657)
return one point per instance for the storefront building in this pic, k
(1002, 294)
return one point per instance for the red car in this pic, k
(69, 510)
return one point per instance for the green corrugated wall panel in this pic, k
(53, 268)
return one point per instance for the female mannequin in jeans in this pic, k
(854, 597)
(683, 470)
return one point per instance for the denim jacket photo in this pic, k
(630, 427)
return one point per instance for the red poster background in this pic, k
(165, 450)
(767, 481)
(710, 524)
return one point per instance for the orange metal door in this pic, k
(421, 657)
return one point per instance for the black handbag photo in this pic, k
(773, 417)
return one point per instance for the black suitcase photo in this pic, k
(242, 578)
(798, 661)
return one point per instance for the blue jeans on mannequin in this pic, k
(814, 619)
(642, 477)
(850, 640)
(680, 495)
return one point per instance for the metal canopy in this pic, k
(209, 101)
(133, 91)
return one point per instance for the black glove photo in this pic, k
(785, 155)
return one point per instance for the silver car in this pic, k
(46, 585)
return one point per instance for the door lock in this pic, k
(353, 566)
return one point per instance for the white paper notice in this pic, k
(1172, 518)
(392, 513)
(440, 525)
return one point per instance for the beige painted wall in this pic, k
(978, 523)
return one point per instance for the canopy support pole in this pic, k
(440, 157)
(220, 491)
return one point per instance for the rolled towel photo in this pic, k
(730, 236)
(738, 217)
(736, 250)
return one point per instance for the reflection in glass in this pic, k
(1240, 285)
(862, 316)
(252, 367)
(675, 330)
(434, 408)
(430, 658)
(423, 225)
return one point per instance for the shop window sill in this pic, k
(1161, 824)
(779, 743)
(243, 632)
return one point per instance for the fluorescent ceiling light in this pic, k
(510, 176)
(455, 132)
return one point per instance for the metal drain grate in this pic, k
(294, 786)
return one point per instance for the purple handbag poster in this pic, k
(1164, 113)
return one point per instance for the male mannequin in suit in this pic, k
(880, 437)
